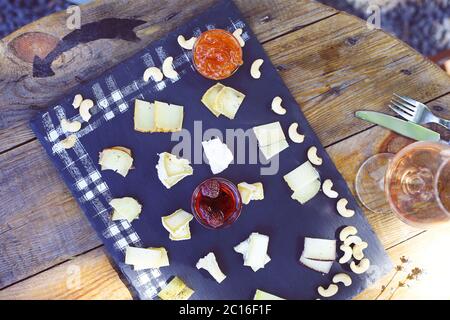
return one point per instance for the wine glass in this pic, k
(414, 184)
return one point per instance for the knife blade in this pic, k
(405, 128)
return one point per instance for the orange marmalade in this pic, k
(217, 54)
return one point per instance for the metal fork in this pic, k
(415, 111)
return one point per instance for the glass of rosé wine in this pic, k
(414, 184)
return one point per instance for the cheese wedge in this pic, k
(307, 192)
(142, 258)
(250, 192)
(183, 233)
(174, 222)
(228, 101)
(209, 98)
(168, 118)
(125, 208)
(272, 150)
(262, 295)
(218, 154)
(268, 134)
(176, 289)
(117, 159)
(172, 169)
(144, 116)
(301, 176)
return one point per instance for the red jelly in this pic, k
(216, 203)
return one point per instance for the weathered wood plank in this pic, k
(21, 94)
(87, 277)
(40, 223)
(338, 65)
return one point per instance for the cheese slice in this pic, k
(183, 233)
(272, 150)
(174, 222)
(301, 176)
(228, 101)
(144, 116)
(172, 169)
(209, 98)
(209, 263)
(307, 192)
(142, 258)
(116, 159)
(319, 249)
(317, 265)
(168, 118)
(257, 251)
(218, 154)
(125, 208)
(268, 134)
(176, 289)
(262, 295)
(250, 192)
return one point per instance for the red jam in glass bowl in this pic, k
(217, 54)
(216, 203)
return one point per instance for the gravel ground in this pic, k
(424, 24)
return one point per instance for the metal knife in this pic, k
(405, 128)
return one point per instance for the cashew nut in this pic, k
(352, 240)
(327, 189)
(77, 101)
(84, 109)
(294, 135)
(237, 34)
(68, 142)
(254, 70)
(276, 106)
(186, 44)
(153, 72)
(361, 267)
(68, 126)
(343, 278)
(168, 70)
(358, 248)
(342, 208)
(346, 232)
(329, 292)
(313, 157)
(347, 254)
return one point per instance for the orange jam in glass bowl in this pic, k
(217, 54)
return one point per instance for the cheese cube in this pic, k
(144, 116)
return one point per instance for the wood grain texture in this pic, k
(338, 65)
(40, 223)
(86, 277)
(21, 95)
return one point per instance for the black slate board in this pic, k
(283, 219)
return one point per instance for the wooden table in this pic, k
(332, 63)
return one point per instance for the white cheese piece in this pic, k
(257, 251)
(115, 159)
(209, 98)
(209, 263)
(268, 134)
(142, 258)
(319, 249)
(144, 116)
(218, 154)
(176, 289)
(168, 118)
(174, 222)
(262, 295)
(183, 233)
(125, 208)
(250, 192)
(242, 248)
(301, 176)
(172, 169)
(307, 192)
(228, 101)
(272, 150)
(317, 265)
